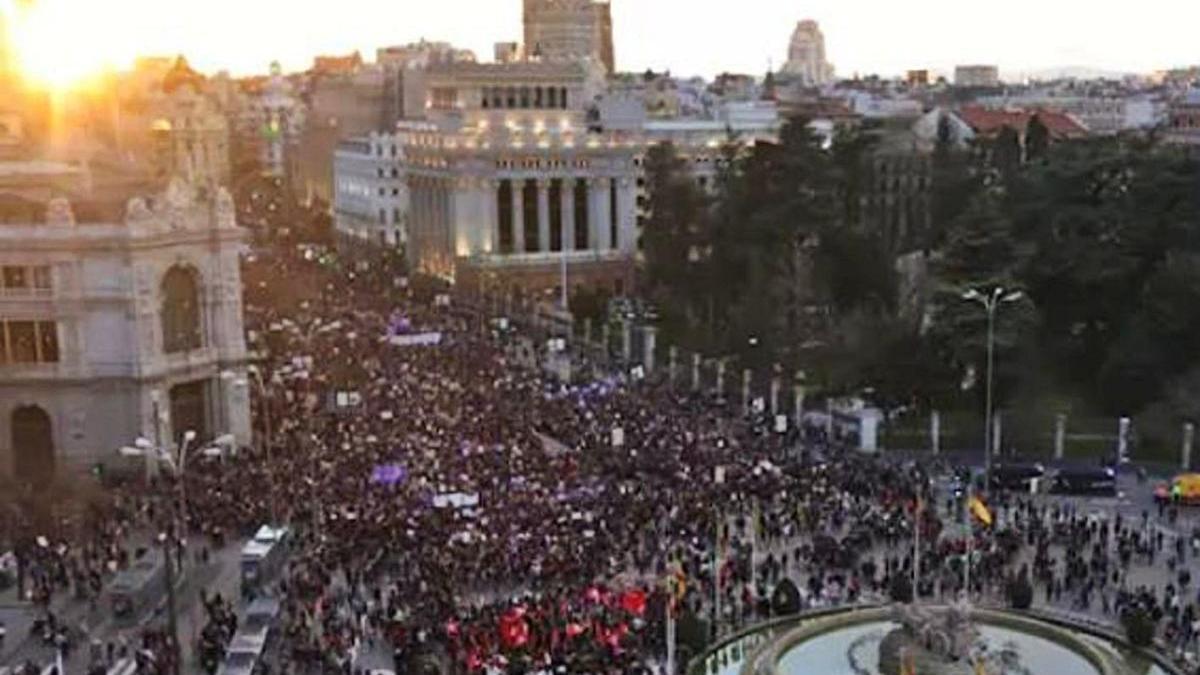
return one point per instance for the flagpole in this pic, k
(671, 626)
(917, 549)
(716, 619)
(970, 539)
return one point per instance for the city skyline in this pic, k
(675, 35)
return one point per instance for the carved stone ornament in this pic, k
(59, 213)
(137, 211)
(225, 210)
(180, 195)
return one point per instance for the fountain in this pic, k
(925, 639)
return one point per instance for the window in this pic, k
(383, 216)
(15, 278)
(22, 341)
(47, 342)
(180, 314)
(41, 278)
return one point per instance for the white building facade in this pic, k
(111, 332)
(504, 185)
(370, 201)
(806, 55)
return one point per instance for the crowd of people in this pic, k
(450, 503)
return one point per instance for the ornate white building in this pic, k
(806, 55)
(119, 330)
(505, 180)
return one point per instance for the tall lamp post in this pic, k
(991, 301)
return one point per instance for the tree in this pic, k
(955, 182)
(677, 241)
(1020, 591)
(1139, 627)
(900, 590)
(1037, 139)
(785, 599)
(1006, 151)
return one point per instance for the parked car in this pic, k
(1016, 477)
(1092, 481)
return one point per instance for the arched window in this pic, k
(181, 321)
(33, 446)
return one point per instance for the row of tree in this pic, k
(776, 264)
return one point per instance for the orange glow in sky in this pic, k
(60, 43)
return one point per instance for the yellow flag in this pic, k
(980, 511)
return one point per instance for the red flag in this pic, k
(592, 595)
(634, 602)
(452, 628)
(514, 630)
(575, 630)
(473, 660)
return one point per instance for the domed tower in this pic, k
(806, 55)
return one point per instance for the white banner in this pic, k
(456, 500)
(416, 340)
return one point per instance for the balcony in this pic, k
(509, 260)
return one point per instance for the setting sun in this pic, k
(58, 43)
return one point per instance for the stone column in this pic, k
(775, 395)
(568, 213)
(518, 218)
(651, 344)
(672, 363)
(1123, 440)
(720, 378)
(935, 432)
(543, 193)
(604, 340)
(1060, 436)
(587, 331)
(746, 375)
(798, 403)
(695, 372)
(829, 419)
(601, 192)
(492, 213)
(626, 216)
(626, 340)
(1189, 434)
(997, 434)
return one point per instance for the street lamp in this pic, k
(991, 302)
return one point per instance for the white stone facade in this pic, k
(370, 201)
(103, 324)
(976, 76)
(806, 55)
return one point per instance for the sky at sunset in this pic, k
(687, 36)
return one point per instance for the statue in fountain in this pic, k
(930, 641)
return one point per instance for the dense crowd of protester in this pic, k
(449, 502)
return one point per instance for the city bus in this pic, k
(139, 588)
(263, 558)
(254, 642)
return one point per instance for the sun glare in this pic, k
(58, 44)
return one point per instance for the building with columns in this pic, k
(505, 184)
(111, 331)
